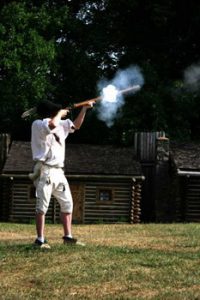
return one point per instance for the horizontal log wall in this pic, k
(124, 207)
(116, 211)
(192, 200)
(22, 208)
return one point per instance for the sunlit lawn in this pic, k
(120, 261)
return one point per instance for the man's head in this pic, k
(48, 109)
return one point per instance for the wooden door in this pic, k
(77, 191)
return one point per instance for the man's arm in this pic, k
(62, 114)
(53, 122)
(81, 116)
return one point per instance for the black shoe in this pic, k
(72, 241)
(42, 245)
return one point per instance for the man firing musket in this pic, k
(48, 135)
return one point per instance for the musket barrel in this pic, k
(94, 100)
(130, 89)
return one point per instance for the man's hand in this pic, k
(90, 104)
(63, 113)
(79, 120)
(55, 120)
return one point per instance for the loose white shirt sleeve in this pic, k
(49, 145)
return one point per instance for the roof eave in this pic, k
(81, 176)
(188, 173)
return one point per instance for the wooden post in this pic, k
(162, 181)
(132, 203)
(145, 147)
(4, 183)
(162, 145)
(5, 141)
(135, 203)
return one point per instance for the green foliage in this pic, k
(26, 58)
(61, 49)
(39, 58)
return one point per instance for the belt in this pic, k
(53, 166)
(49, 166)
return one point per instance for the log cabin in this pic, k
(185, 174)
(105, 181)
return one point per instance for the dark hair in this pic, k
(47, 109)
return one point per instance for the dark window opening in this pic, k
(105, 196)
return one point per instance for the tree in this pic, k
(162, 38)
(61, 49)
(41, 56)
(26, 58)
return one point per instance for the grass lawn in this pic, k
(119, 261)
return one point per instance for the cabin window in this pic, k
(104, 195)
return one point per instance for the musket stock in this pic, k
(84, 103)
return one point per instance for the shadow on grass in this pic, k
(143, 256)
(24, 248)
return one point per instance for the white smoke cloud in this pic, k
(192, 77)
(107, 111)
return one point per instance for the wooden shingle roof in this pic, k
(80, 159)
(186, 156)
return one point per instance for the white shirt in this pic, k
(43, 141)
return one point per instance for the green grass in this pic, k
(119, 261)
